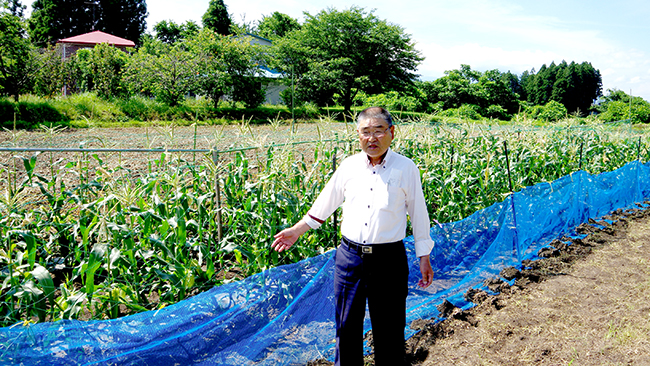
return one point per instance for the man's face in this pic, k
(375, 138)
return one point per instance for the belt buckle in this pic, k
(366, 249)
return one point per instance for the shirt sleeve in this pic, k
(417, 211)
(329, 199)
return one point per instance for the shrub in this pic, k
(551, 112)
(7, 111)
(393, 101)
(497, 112)
(621, 110)
(89, 106)
(141, 108)
(466, 111)
(29, 114)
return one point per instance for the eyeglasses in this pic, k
(366, 134)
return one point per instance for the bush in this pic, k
(497, 112)
(619, 110)
(89, 106)
(393, 101)
(7, 111)
(466, 111)
(551, 112)
(29, 115)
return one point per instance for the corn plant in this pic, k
(90, 238)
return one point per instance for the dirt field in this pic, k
(589, 304)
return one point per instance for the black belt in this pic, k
(367, 248)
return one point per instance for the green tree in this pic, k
(50, 78)
(277, 25)
(574, 85)
(165, 71)
(122, 18)
(228, 66)
(16, 55)
(107, 63)
(550, 112)
(344, 52)
(16, 8)
(491, 92)
(453, 89)
(619, 106)
(52, 20)
(217, 18)
(170, 32)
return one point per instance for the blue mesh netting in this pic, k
(284, 316)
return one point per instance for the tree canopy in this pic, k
(217, 18)
(122, 18)
(276, 25)
(618, 106)
(574, 85)
(491, 92)
(336, 54)
(170, 32)
(52, 20)
(16, 55)
(207, 63)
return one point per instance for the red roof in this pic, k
(98, 37)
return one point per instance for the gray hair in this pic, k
(375, 113)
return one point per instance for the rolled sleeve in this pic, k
(312, 222)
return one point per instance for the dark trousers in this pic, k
(381, 277)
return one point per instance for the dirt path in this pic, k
(588, 304)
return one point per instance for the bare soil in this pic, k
(586, 303)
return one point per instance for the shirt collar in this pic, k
(386, 159)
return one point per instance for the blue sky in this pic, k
(507, 35)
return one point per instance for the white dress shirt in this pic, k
(376, 200)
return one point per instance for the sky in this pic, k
(508, 35)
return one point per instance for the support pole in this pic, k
(580, 162)
(215, 159)
(451, 159)
(515, 241)
(505, 147)
(335, 217)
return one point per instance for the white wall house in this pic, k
(271, 78)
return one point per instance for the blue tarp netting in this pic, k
(284, 316)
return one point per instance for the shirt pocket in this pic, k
(392, 198)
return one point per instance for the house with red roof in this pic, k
(89, 40)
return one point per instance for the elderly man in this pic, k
(377, 188)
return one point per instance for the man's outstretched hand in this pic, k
(287, 237)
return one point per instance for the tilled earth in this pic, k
(587, 303)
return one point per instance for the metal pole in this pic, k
(638, 150)
(335, 217)
(512, 205)
(293, 92)
(451, 159)
(580, 162)
(215, 159)
(505, 146)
